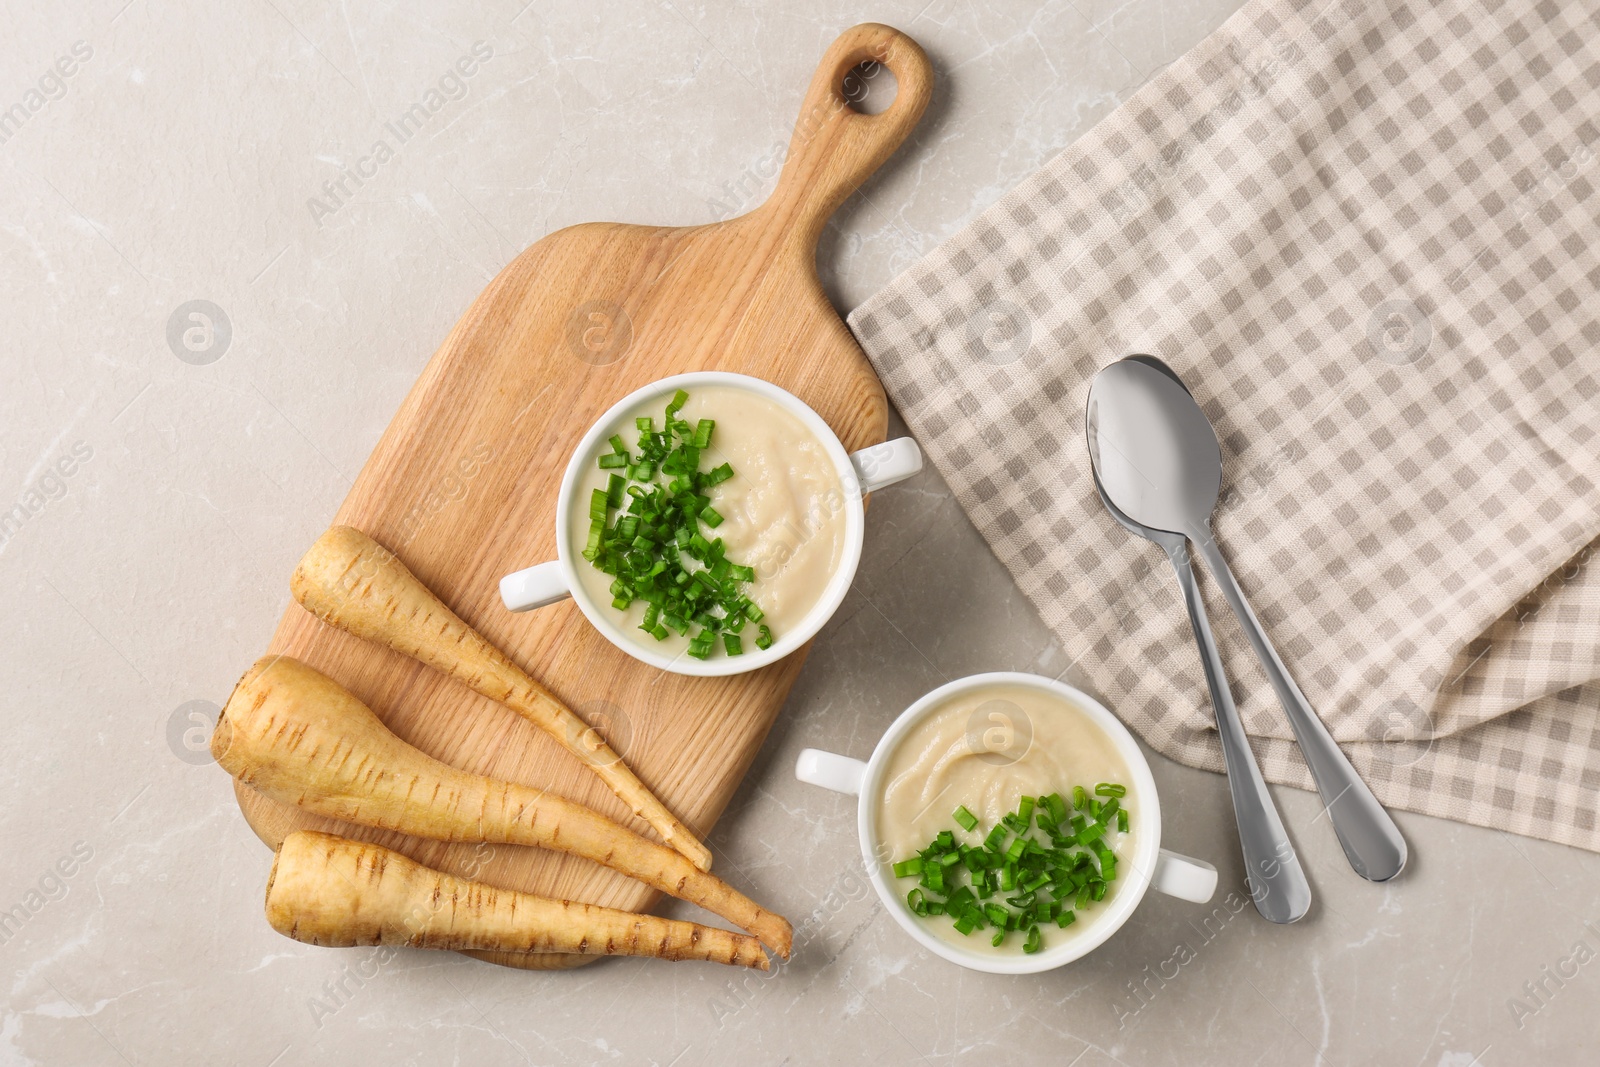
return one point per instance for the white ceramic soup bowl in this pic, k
(1151, 866)
(859, 473)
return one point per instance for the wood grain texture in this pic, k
(462, 485)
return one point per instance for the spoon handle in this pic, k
(1372, 842)
(1277, 883)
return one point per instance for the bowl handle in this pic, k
(534, 587)
(1187, 879)
(883, 465)
(838, 773)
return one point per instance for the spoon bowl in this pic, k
(1153, 446)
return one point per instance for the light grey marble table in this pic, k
(184, 152)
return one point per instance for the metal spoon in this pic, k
(1277, 883)
(1161, 464)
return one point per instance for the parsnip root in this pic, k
(298, 736)
(328, 890)
(351, 581)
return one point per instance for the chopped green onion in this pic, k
(592, 548)
(644, 534)
(1039, 864)
(1080, 797)
(1110, 789)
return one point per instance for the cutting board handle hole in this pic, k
(869, 88)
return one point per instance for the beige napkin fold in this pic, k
(1365, 234)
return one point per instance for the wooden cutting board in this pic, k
(463, 484)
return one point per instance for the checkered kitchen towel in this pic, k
(1366, 236)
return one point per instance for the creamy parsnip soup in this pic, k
(1004, 813)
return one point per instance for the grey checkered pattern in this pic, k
(1366, 235)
